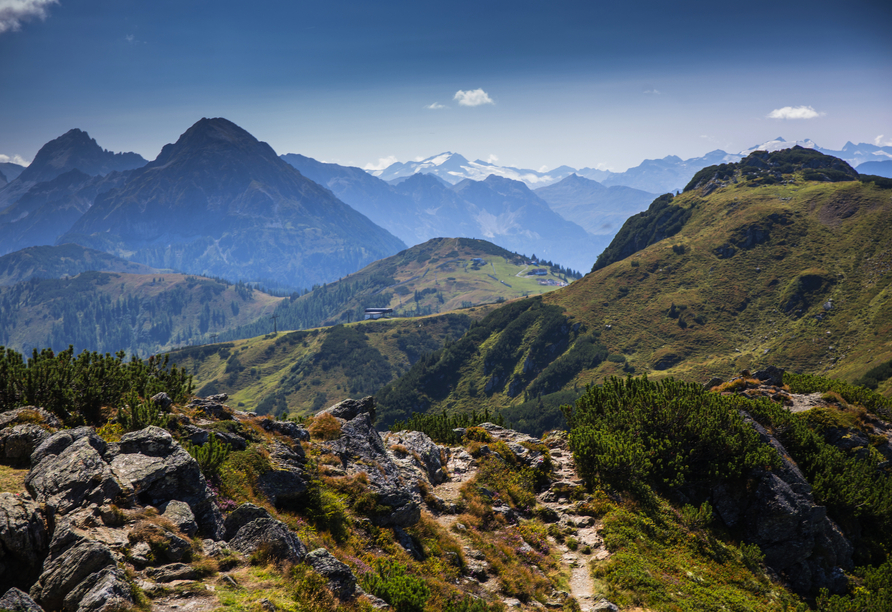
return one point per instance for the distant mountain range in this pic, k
(657, 176)
(498, 209)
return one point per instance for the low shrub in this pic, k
(391, 582)
(210, 456)
(324, 427)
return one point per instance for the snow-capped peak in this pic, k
(779, 144)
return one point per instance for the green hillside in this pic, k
(139, 313)
(781, 258)
(440, 275)
(303, 371)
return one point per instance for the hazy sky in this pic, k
(582, 83)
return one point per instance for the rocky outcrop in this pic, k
(340, 577)
(24, 541)
(18, 442)
(286, 428)
(286, 483)
(776, 511)
(423, 453)
(349, 409)
(103, 591)
(269, 537)
(65, 573)
(15, 600)
(361, 450)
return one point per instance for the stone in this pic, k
(65, 572)
(341, 580)
(349, 409)
(286, 428)
(169, 573)
(162, 400)
(175, 548)
(159, 470)
(61, 440)
(603, 605)
(771, 375)
(15, 600)
(240, 517)
(235, 441)
(715, 381)
(213, 407)
(361, 449)
(19, 441)
(424, 451)
(76, 476)
(29, 414)
(273, 536)
(24, 541)
(408, 543)
(180, 514)
(103, 591)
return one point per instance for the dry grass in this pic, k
(12, 480)
(324, 427)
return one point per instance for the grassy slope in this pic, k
(29, 321)
(444, 267)
(290, 369)
(837, 233)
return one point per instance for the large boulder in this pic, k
(271, 537)
(341, 580)
(159, 470)
(77, 475)
(240, 517)
(104, 591)
(286, 428)
(61, 440)
(19, 441)
(349, 409)
(62, 574)
(180, 514)
(776, 511)
(424, 453)
(29, 414)
(286, 483)
(15, 600)
(24, 541)
(362, 450)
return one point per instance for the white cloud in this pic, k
(654, 92)
(492, 159)
(878, 141)
(543, 169)
(794, 112)
(15, 159)
(383, 162)
(14, 12)
(435, 106)
(472, 97)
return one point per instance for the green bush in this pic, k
(873, 595)
(441, 427)
(853, 394)
(210, 456)
(138, 414)
(634, 434)
(391, 582)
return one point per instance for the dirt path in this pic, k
(589, 544)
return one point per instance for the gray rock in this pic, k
(605, 606)
(349, 409)
(75, 476)
(240, 517)
(18, 601)
(18, 442)
(104, 591)
(424, 451)
(286, 483)
(713, 382)
(213, 407)
(61, 440)
(180, 514)
(162, 400)
(269, 535)
(286, 428)
(159, 470)
(24, 541)
(65, 572)
(361, 449)
(771, 375)
(340, 577)
(169, 573)
(65, 535)
(47, 418)
(778, 513)
(174, 549)
(195, 435)
(235, 441)
(408, 543)
(141, 554)
(216, 550)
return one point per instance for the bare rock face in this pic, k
(47, 418)
(286, 428)
(18, 442)
(341, 579)
(240, 517)
(159, 470)
(286, 483)
(62, 574)
(180, 514)
(24, 541)
(18, 601)
(274, 536)
(360, 447)
(66, 478)
(778, 513)
(424, 452)
(104, 591)
(349, 409)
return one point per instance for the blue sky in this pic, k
(578, 83)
